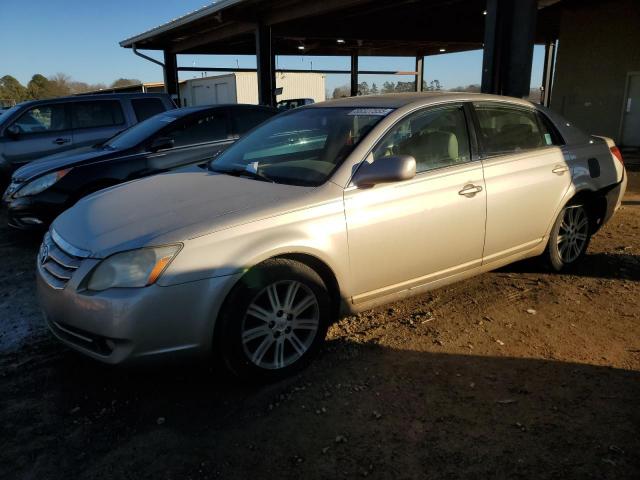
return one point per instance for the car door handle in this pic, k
(560, 169)
(61, 141)
(470, 190)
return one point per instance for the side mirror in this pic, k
(13, 132)
(162, 143)
(385, 170)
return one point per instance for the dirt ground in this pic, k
(518, 373)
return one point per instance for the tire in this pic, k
(570, 237)
(274, 321)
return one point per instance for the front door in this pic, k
(42, 130)
(410, 233)
(631, 115)
(195, 139)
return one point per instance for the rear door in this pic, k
(43, 130)
(525, 173)
(196, 139)
(94, 121)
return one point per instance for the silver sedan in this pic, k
(327, 209)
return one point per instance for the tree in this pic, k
(363, 88)
(388, 87)
(125, 82)
(38, 87)
(341, 92)
(12, 89)
(59, 85)
(374, 89)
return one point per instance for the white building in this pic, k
(242, 87)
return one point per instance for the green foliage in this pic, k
(12, 89)
(124, 82)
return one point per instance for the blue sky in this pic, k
(80, 38)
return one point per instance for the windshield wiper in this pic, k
(242, 171)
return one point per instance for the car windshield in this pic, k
(303, 147)
(139, 132)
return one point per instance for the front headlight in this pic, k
(136, 268)
(40, 184)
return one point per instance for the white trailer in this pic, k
(242, 87)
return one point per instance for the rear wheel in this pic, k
(274, 321)
(569, 237)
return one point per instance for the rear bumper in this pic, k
(614, 197)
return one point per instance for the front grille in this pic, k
(58, 260)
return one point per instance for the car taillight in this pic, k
(616, 153)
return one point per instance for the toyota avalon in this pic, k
(327, 209)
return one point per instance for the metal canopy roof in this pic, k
(332, 27)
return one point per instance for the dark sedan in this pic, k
(40, 191)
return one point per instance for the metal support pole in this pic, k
(354, 75)
(549, 70)
(265, 61)
(171, 75)
(508, 47)
(419, 73)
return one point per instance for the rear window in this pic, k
(147, 107)
(98, 113)
(245, 119)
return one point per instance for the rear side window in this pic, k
(506, 129)
(147, 107)
(43, 119)
(208, 128)
(245, 119)
(99, 113)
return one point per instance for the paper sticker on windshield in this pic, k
(371, 111)
(548, 139)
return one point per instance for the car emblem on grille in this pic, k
(44, 253)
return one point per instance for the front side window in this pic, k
(436, 138)
(42, 119)
(99, 113)
(505, 129)
(208, 128)
(303, 147)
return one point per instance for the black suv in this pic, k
(35, 129)
(41, 190)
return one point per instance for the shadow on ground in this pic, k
(621, 266)
(360, 410)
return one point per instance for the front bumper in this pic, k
(123, 325)
(34, 212)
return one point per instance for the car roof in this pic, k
(398, 100)
(96, 96)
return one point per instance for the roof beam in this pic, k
(220, 33)
(286, 14)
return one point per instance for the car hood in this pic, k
(60, 161)
(167, 208)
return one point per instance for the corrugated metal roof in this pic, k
(180, 21)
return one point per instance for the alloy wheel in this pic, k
(280, 324)
(573, 234)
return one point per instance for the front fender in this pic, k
(318, 231)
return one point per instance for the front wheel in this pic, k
(274, 321)
(569, 237)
